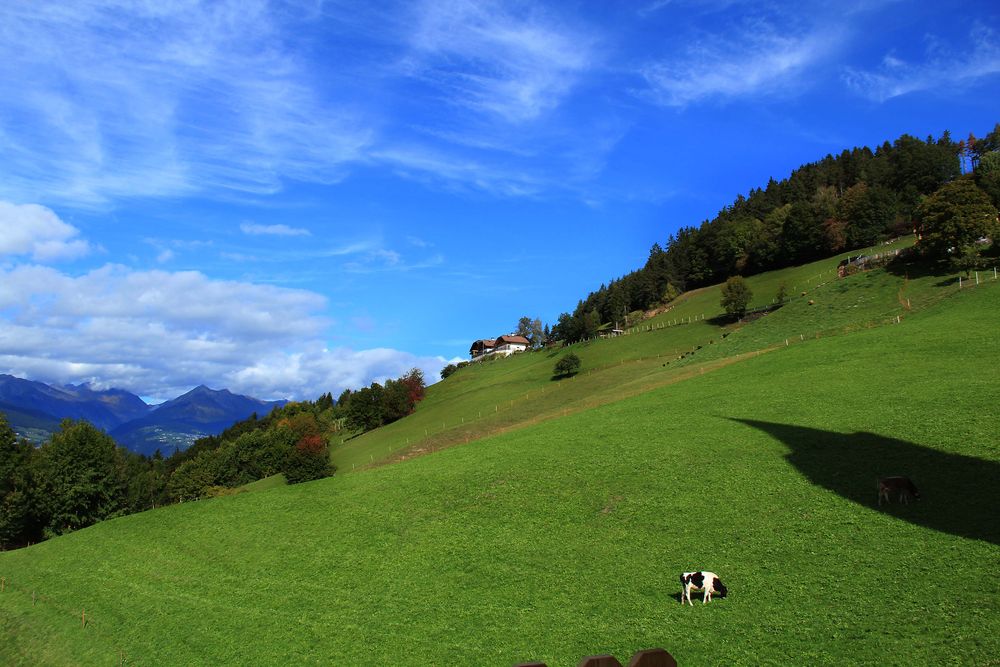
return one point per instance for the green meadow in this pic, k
(515, 518)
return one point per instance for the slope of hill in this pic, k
(564, 537)
(179, 422)
(510, 393)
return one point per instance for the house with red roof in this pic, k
(505, 345)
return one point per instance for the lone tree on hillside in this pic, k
(736, 295)
(954, 219)
(566, 366)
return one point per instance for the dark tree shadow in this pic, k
(961, 494)
(723, 320)
(912, 265)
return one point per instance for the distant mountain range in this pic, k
(34, 410)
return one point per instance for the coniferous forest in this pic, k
(850, 201)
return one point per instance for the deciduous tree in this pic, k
(736, 296)
(83, 477)
(567, 365)
(955, 218)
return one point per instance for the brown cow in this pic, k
(901, 486)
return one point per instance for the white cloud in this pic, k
(272, 230)
(102, 100)
(428, 164)
(491, 58)
(942, 69)
(159, 333)
(30, 229)
(757, 59)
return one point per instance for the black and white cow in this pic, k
(701, 581)
(903, 487)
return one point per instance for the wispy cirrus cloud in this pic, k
(943, 68)
(509, 61)
(756, 59)
(446, 168)
(502, 81)
(132, 98)
(104, 100)
(273, 230)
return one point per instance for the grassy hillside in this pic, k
(565, 537)
(499, 396)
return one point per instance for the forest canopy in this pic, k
(843, 202)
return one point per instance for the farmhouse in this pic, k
(481, 347)
(509, 344)
(505, 345)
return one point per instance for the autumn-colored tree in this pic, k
(308, 460)
(414, 381)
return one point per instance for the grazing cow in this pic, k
(701, 581)
(901, 486)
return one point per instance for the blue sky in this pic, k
(288, 198)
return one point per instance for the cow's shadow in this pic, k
(696, 597)
(961, 494)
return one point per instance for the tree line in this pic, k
(853, 200)
(80, 476)
(373, 406)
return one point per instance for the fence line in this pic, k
(819, 333)
(86, 619)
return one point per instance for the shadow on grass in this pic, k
(914, 266)
(961, 494)
(696, 597)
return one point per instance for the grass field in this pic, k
(504, 395)
(564, 537)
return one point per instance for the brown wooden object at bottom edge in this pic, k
(651, 657)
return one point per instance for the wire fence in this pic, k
(73, 616)
(469, 427)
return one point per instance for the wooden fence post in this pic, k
(600, 661)
(652, 657)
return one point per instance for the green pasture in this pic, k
(498, 396)
(565, 537)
